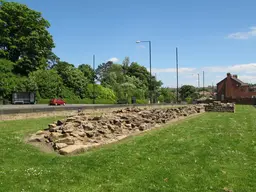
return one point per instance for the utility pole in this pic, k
(94, 79)
(150, 80)
(150, 72)
(177, 74)
(203, 83)
(212, 89)
(198, 80)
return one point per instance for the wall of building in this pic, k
(232, 90)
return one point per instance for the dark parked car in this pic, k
(56, 101)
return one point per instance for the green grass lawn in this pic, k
(206, 153)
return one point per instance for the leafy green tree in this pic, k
(113, 76)
(24, 38)
(161, 98)
(7, 78)
(187, 91)
(74, 79)
(139, 90)
(103, 70)
(126, 64)
(155, 88)
(52, 60)
(61, 66)
(189, 100)
(140, 72)
(68, 93)
(87, 71)
(9, 82)
(101, 92)
(48, 83)
(128, 90)
(6, 66)
(167, 95)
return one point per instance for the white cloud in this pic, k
(247, 78)
(246, 68)
(171, 70)
(243, 35)
(114, 59)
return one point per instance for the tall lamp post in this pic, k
(93, 79)
(150, 80)
(203, 83)
(177, 74)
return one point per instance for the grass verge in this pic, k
(206, 153)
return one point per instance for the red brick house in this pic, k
(231, 89)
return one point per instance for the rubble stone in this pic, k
(217, 106)
(72, 149)
(77, 133)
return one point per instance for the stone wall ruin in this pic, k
(217, 106)
(79, 133)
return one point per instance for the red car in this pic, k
(55, 101)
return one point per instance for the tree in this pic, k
(9, 82)
(52, 60)
(102, 70)
(187, 91)
(87, 71)
(8, 79)
(113, 75)
(155, 88)
(48, 83)
(140, 72)
(101, 92)
(6, 66)
(73, 78)
(61, 66)
(166, 95)
(126, 64)
(24, 37)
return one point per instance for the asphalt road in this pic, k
(43, 106)
(16, 109)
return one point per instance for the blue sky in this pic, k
(212, 36)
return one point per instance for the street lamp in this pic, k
(150, 79)
(94, 79)
(198, 79)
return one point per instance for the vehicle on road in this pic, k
(57, 101)
(23, 98)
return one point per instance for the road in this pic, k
(16, 109)
(42, 106)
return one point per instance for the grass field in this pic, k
(206, 153)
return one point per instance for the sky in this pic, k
(216, 37)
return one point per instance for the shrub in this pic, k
(189, 100)
(142, 101)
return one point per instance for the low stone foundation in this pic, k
(217, 106)
(80, 132)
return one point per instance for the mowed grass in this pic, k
(205, 153)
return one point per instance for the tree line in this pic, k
(28, 64)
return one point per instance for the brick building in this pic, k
(231, 89)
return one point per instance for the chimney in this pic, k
(235, 76)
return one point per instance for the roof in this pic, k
(239, 81)
(235, 79)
